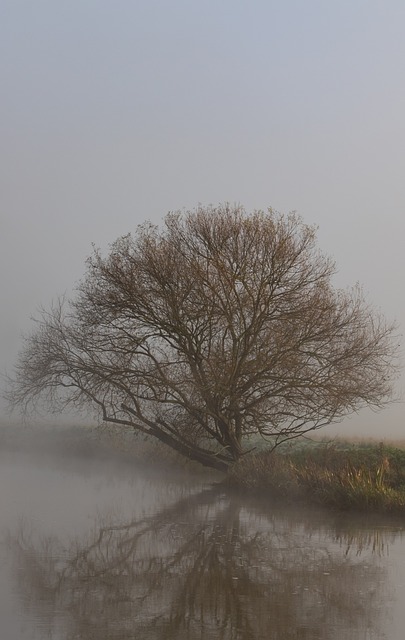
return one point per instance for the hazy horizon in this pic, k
(113, 114)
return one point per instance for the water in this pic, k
(92, 548)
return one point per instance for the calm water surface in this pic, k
(97, 549)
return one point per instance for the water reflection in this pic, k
(206, 567)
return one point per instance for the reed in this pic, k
(341, 476)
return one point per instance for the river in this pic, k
(94, 547)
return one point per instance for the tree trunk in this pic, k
(205, 458)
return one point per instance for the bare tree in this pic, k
(218, 326)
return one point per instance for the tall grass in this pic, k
(339, 476)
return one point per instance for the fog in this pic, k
(95, 543)
(112, 114)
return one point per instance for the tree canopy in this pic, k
(215, 327)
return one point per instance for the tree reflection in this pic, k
(206, 567)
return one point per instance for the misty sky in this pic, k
(117, 112)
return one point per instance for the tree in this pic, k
(217, 327)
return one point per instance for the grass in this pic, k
(341, 475)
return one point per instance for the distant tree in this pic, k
(219, 326)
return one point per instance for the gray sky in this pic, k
(117, 112)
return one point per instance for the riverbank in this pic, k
(341, 475)
(338, 475)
